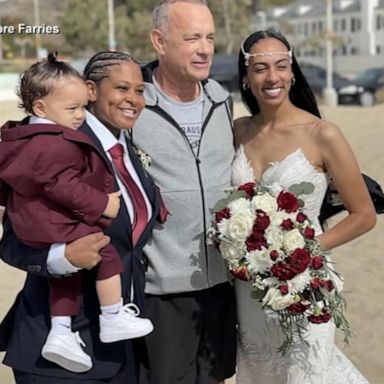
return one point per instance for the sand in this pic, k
(361, 261)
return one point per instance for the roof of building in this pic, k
(313, 8)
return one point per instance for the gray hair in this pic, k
(98, 66)
(160, 14)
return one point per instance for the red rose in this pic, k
(301, 217)
(261, 222)
(299, 260)
(317, 262)
(287, 224)
(315, 283)
(298, 307)
(309, 233)
(319, 319)
(256, 241)
(284, 289)
(288, 202)
(274, 255)
(225, 213)
(283, 271)
(328, 285)
(240, 273)
(248, 188)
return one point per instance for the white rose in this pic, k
(277, 301)
(293, 239)
(274, 236)
(230, 251)
(265, 202)
(240, 226)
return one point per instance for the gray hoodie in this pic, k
(179, 258)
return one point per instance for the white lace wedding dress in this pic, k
(259, 334)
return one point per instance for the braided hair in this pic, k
(99, 65)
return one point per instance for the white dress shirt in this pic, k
(57, 264)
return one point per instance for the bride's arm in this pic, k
(341, 164)
(239, 125)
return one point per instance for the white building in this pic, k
(358, 31)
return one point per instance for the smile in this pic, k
(275, 91)
(128, 112)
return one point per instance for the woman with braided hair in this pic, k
(64, 169)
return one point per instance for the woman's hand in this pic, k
(84, 252)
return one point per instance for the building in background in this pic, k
(358, 32)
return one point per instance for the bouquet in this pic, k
(265, 238)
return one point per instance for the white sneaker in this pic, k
(125, 325)
(66, 351)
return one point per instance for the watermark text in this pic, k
(25, 29)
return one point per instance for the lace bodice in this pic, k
(293, 169)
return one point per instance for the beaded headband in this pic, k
(248, 55)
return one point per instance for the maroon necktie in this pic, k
(139, 207)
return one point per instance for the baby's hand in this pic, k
(113, 205)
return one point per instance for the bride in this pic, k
(285, 141)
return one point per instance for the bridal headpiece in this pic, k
(248, 55)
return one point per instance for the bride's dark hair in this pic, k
(300, 93)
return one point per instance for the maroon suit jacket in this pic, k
(54, 181)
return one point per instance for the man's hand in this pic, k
(84, 252)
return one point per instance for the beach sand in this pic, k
(361, 261)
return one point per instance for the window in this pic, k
(336, 25)
(343, 24)
(355, 24)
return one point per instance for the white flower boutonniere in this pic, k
(144, 158)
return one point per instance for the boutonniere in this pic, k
(144, 158)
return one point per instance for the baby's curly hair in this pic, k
(40, 79)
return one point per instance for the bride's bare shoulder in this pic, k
(241, 124)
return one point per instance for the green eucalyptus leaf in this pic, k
(257, 294)
(222, 203)
(307, 188)
(295, 189)
(303, 188)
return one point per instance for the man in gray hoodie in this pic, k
(186, 128)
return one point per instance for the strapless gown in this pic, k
(259, 334)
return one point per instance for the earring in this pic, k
(293, 80)
(245, 86)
